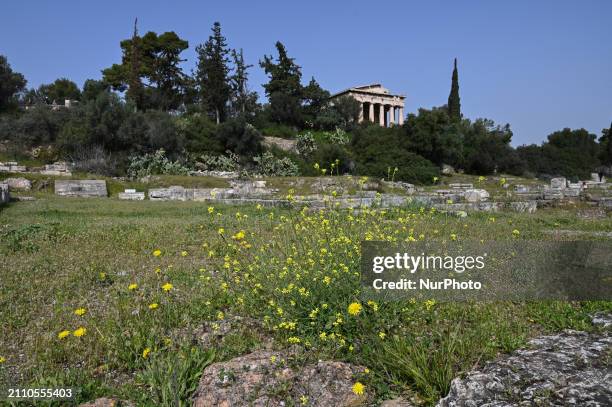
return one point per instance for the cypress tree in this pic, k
(135, 89)
(454, 103)
(213, 74)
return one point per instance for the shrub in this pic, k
(279, 130)
(239, 137)
(229, 162)
(267, 164)
(94, 160)
(305, 144)
(154, 164)
(199, 133)
(376, 149)
(338, 136)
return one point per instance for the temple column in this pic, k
(381, 115)
(371, 113)
(361, 106)
(391, 115)
(401, 115)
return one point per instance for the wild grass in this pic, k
(294, 271)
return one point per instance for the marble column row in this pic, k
(383, 109)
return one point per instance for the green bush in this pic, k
(376, 149)
(154, 164)
(279, 130)
(269, 165)
(306, 144)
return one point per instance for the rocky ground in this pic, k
(571, 368)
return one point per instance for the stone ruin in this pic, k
(81, 188)
(131, 195)
(12, 166)
(59, 168)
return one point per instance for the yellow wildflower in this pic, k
(145, 352)
(153, 306)
(221, 231)
(304, 400)
(354, 308)
(79, 311)
(63, 334)
(132, 286)
(184, 253)
(79, 332)
(382, 335)
(358, 388)
(239, 236)
(211, 209)
(157, 253)
(167, 287)
(2, 359)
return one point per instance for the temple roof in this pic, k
(373, 88)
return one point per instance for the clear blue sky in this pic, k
(539, 65)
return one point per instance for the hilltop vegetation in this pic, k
(147, 102)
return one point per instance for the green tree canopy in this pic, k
(58, 91)
(284, 88)
(153, 61)
(11, 85)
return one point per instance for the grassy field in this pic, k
(107, 296)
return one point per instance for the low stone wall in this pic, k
(81, 188)
(5, 196)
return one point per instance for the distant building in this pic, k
(378, 105)
(68, 103)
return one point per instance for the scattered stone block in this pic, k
(5, 196)
(558, 183)
(19, 183)
(592, 213)
(552, 194)
(131, 195)
(461, 186)
(476, 195)
(59, 168)
(408, 188)
(521, 189)
(523, 206)
(81, 188)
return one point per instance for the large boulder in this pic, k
(19, 183)
(255, 379)
(567, 369)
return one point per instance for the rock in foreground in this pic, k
(568, 369)
(264, 378)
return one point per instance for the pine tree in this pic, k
(135, 91)
(454, 102)
(284, 90)
(243, 101)
(212, 74)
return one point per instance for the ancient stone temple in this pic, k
(378, 105)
